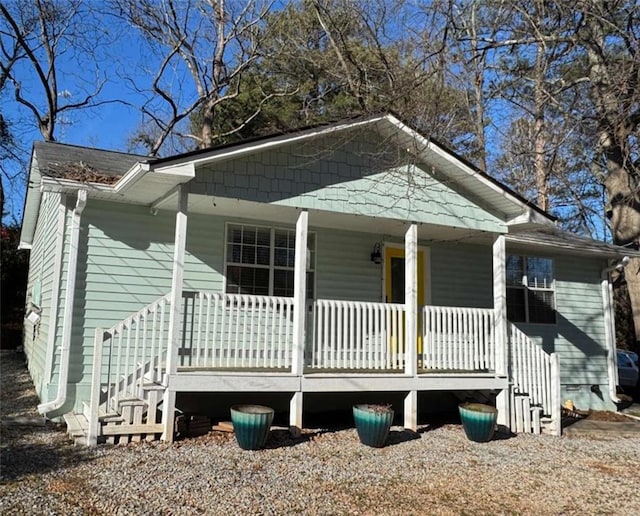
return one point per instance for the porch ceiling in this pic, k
(287, 215)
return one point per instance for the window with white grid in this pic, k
(530, 289)
(260, 260)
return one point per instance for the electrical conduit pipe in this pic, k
(67, 320)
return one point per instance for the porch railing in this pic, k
(532, 370)
(456, 338)
(236, 331)
(357, 335)
(126, 356)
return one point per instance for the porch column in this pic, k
(411, 323)
(411, 300)
(299, 301)
(180, 240)
(500, 325)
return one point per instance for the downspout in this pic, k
(67, 320)
(609, 326)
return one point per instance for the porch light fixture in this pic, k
(376, 253)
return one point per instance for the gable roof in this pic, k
(484, 190)
(143, 180)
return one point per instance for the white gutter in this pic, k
(67, 320)
(609, 326)
(133, 175)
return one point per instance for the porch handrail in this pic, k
(535, 373)
(357, 335)
(236, 330)
(138, 344)
(125, 355)
(458, 338)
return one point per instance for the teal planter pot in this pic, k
(373, 423)
(478, 421)
(251, 424)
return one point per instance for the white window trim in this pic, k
(524, 286)
(272, 249)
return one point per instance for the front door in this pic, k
(394, 275)
(394, 288)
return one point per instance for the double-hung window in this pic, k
(530, 289)
(260, 260)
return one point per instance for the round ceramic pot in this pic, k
(251, 424)
(478, 421)
(372, 424)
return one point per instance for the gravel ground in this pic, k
(325, 471)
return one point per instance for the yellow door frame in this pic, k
(391, 252)
(398, 252)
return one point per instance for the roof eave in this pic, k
(585, 250)
(31, 207)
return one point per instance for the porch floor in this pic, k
(334, 371)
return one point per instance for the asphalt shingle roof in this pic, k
(82, 163)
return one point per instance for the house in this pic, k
(357, 257)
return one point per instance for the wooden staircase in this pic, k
(534, 386)
(128, 380)
(132, 419)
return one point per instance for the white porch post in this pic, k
(299, 301)
(500, 324)
(411, 322)
(169, 398)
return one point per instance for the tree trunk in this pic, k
(624, 215)
(632, 275)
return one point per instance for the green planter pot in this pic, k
(373, 423)
(251, 424)
(478, 421)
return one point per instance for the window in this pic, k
(260, 260)
(530, 290)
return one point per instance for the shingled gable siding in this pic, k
(578, 335)
(125, 263)
(41, 266)
(347, 178)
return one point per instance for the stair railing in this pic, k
(535, 374)
(125, 356)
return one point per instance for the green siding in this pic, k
(124, 263)
(461, 275)
(344, 269)
(126, 255)
(41, 272)
(354, 176)
(578, 336)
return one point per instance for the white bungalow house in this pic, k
(346, 258)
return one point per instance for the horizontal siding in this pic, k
(125, 263)
(461, 275)
(578, 335)
(344, 267)
(41, 270)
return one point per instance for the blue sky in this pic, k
(107, 126)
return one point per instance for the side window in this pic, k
(530, 289)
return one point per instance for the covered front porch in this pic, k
(212, 341)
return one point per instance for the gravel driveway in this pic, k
(326, 471)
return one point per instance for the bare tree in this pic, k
(209, 42)
(586, 66)
(40, 33)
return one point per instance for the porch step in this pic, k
(103, 417)
(77, 427)
(152, 386)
